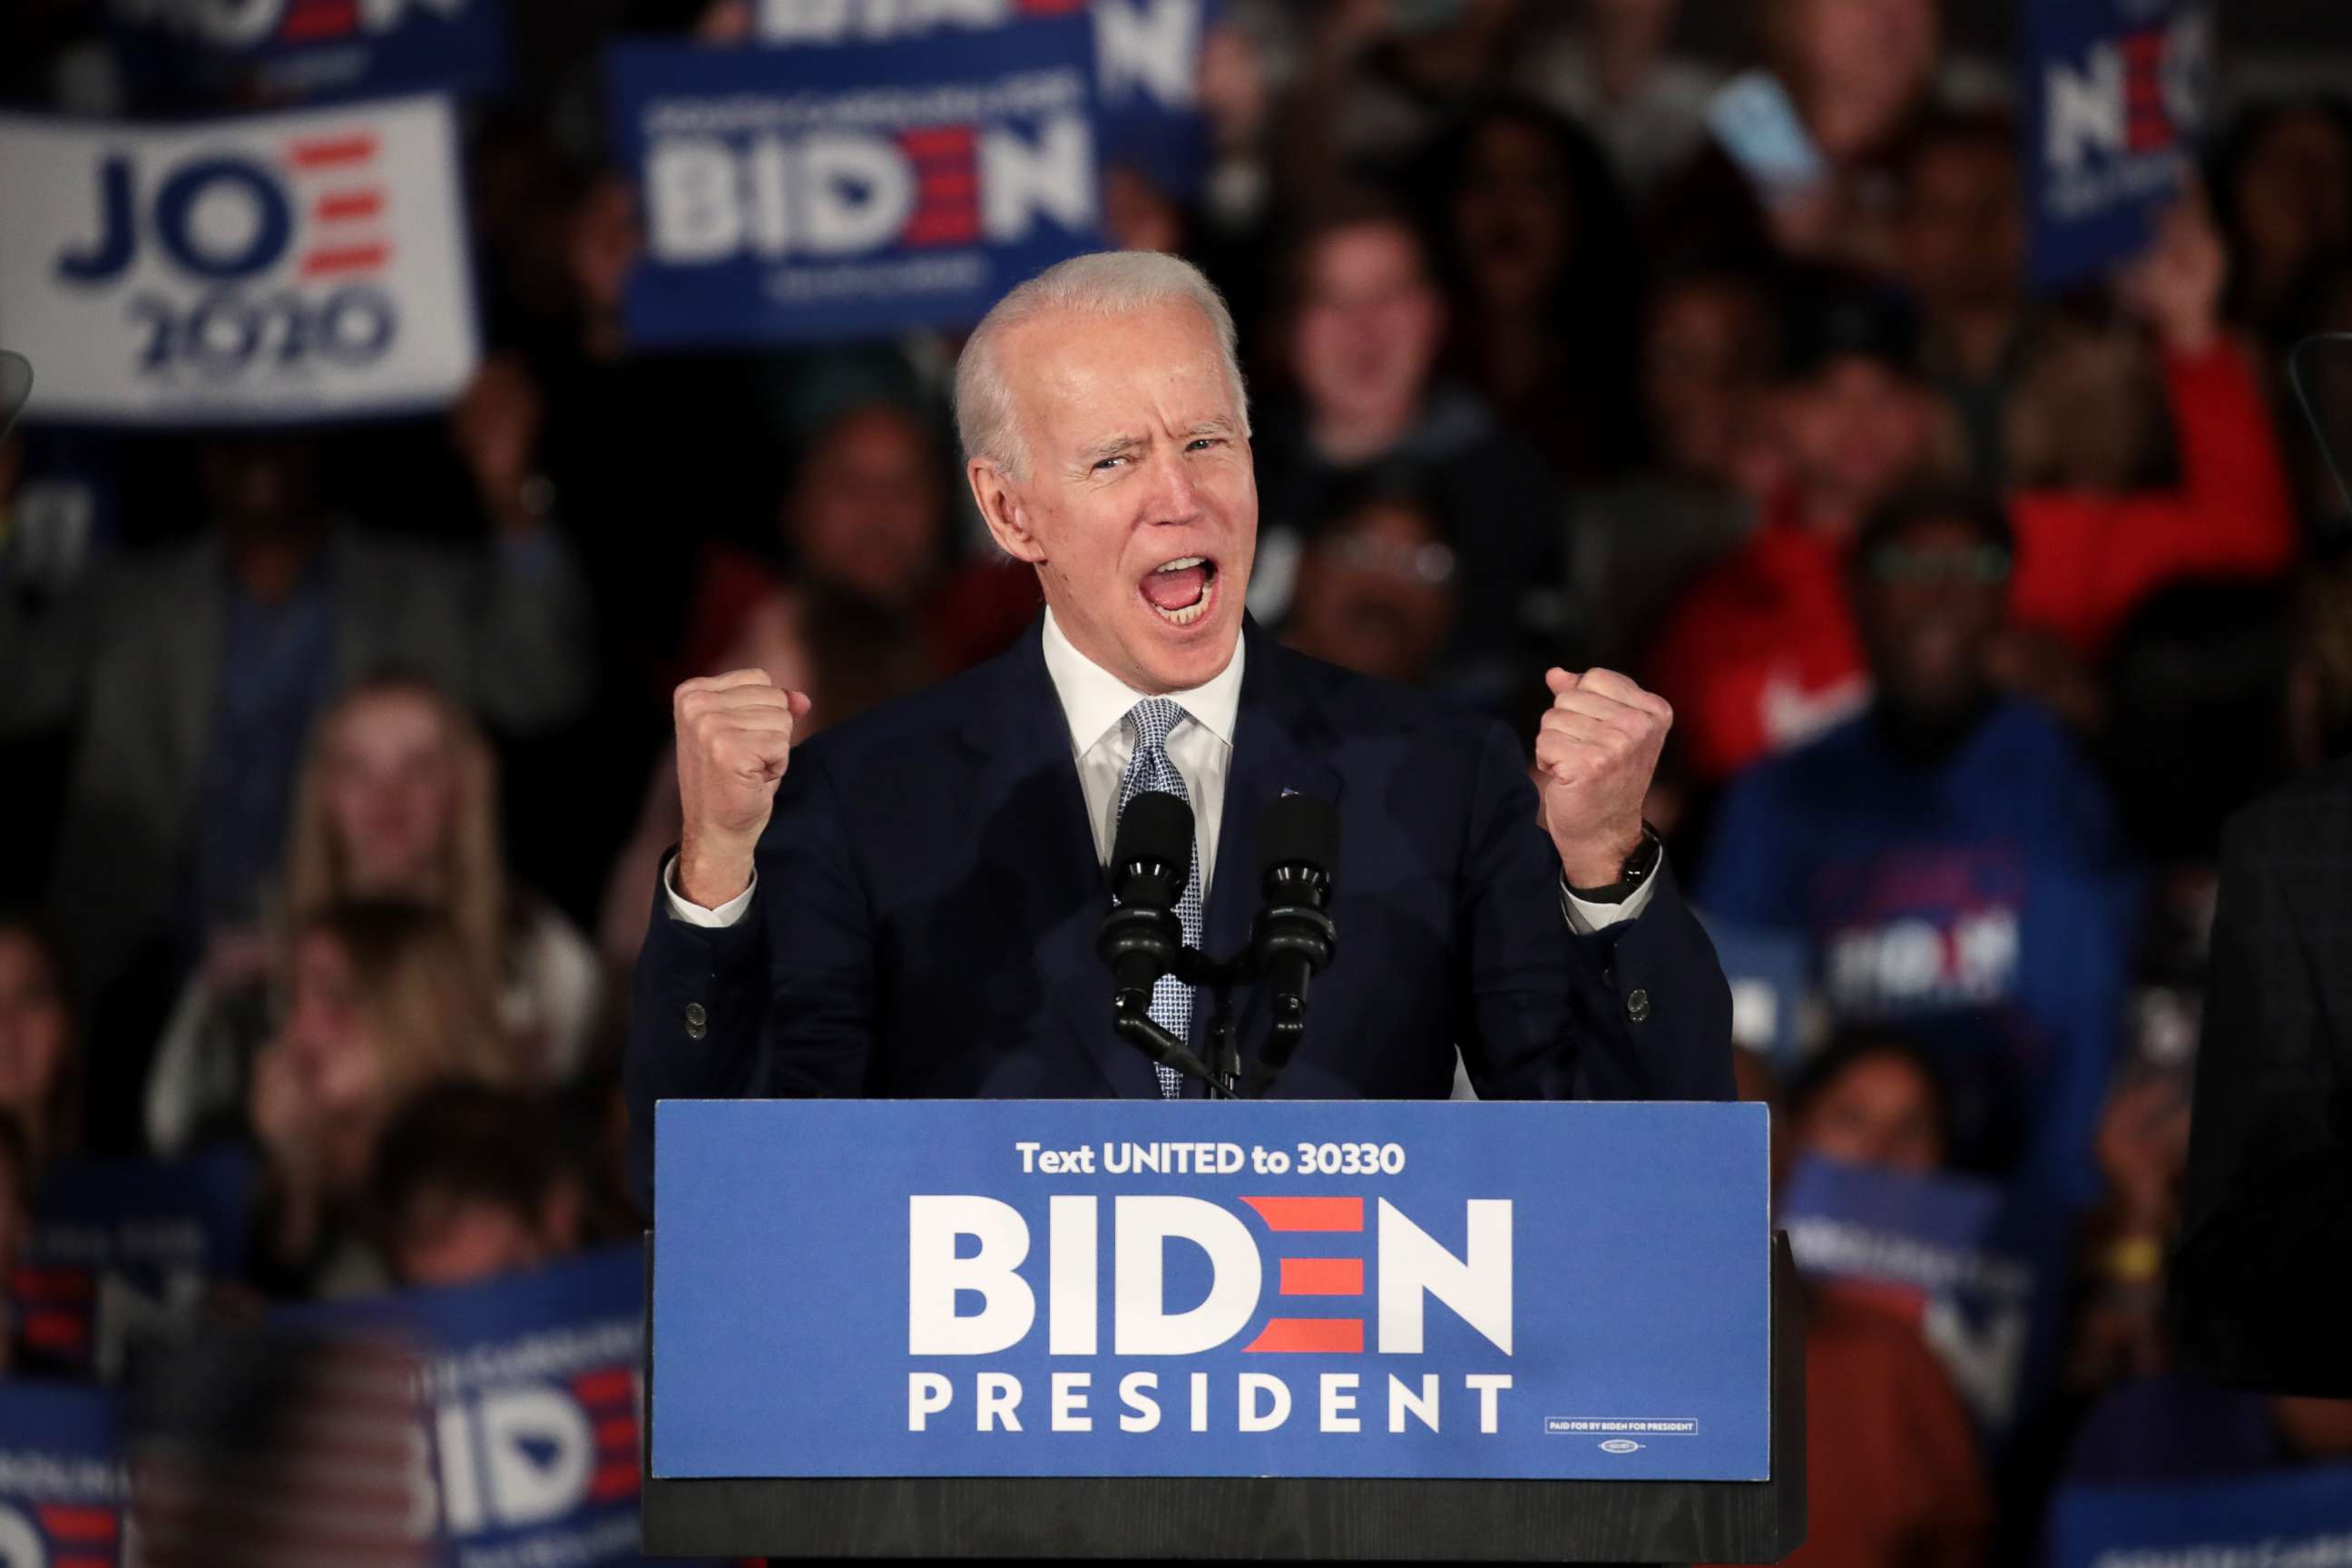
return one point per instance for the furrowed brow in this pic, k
(1111, 446)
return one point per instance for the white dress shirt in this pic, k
(1095, 703)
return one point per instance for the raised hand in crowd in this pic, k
(303, 1104)
(2143, 1151)
(2143, 1148)
(734, 742)
(495, 427)
(602, 241)
(383, 1002)
(2175, 288)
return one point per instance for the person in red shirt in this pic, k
(1760, 653)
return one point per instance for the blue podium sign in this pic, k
(1113, 1288)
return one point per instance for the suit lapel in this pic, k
(1037, 853)
(1281, 742)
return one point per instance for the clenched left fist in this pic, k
(1595, 751)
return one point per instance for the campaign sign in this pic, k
(309, 51)
(1147, 62)
(528, 1399)
(276, 267)
(66, 510)
(62, 1492)
(117, 1245)
(850, 192)
(1979, 1268)
(1110, 1288)
(2290, 1519)
(1147, 76)
(1770, 975)
(2116, 92)
(2011, 972)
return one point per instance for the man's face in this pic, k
(2291, 197)
(1138, 506)
(1513, 216)
(261, 489)
(1963, 231)
(1866, 60)
(1878, 1111)
(867, 514)
(1376, 594)
(1855, 430)
(1703, 362)
(1930, 602)
(1368, 326)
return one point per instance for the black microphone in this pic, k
(1299, 849)
(1150, 862)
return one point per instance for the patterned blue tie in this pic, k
(1153, 719)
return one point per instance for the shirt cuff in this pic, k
(1585, 917)
(728, 913)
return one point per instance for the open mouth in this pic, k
(1180, 591)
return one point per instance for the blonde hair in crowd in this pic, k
(421, 995)
(470, 889)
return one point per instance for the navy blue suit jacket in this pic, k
(928, 892)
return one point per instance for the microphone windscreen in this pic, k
(1299, 830)
(16, 385)
(1155, 828)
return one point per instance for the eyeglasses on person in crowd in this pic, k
(1430, 565)
(1985, 565)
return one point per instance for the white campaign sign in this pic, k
(271, 267)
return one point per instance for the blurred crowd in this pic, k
(338, 770)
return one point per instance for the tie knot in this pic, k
(1155, 719)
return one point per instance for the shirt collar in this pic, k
(1094, 700)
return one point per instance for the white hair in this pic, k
(1103, 283)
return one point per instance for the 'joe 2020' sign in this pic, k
(273, 268)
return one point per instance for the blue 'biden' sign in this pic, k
(856, 191)
(2116, 98)
(1102, 1287)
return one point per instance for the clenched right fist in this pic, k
(734, 742)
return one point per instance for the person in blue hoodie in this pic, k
(1949, 854)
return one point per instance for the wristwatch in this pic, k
(1639, 868)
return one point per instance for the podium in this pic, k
(1469, 1332)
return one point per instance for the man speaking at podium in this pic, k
(908, 906)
